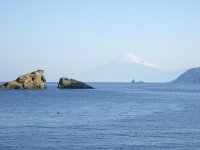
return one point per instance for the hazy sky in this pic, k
(67, 36)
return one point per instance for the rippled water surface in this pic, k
(112, 116)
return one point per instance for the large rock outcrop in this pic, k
(34, 80)
(66, 83)
(190, 76)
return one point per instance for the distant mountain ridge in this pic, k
(190, 76)
(126, 68)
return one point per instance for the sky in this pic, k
(68, 36)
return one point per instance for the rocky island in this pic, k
(34, 80)
(67, 83)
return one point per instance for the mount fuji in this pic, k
(130, 58)
(126, 68)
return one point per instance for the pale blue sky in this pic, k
(64, 37)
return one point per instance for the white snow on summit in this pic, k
(131, 58)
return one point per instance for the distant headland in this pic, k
(190, 76)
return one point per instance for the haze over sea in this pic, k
(111, 116)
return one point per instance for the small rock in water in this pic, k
(67, 83)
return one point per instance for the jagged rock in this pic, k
(66, 83)
(34, 80)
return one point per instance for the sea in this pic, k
(113, 116)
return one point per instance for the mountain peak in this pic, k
(127, 67)
(131, 58)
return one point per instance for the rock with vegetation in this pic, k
(190, 76)
(34, 80)
(66, 83)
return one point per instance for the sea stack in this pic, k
(34, 80)
(67, 83)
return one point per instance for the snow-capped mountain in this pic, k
(128, 67)
(131, 58)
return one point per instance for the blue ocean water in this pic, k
(113, 116)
